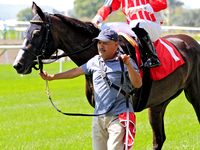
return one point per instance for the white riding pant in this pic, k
(153, 28)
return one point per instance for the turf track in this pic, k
(29, 122)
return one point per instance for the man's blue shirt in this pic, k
(106, 99)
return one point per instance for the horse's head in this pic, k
(38, 43)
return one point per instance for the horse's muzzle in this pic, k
(21, 69)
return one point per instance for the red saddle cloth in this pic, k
(169, 57)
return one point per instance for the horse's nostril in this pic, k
(17, 66)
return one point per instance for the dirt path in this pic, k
(11, 42)
(10, 53)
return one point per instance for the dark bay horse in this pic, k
(47, 33)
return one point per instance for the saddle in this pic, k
(170, 60)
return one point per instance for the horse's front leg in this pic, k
(89, 90)
(156, 115)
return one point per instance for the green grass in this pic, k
(28, 121)
(197, 38)
(12, 35)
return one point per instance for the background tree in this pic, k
(187, 17)
(87, 9)
(25, 14)
(171, 11)
(174, 4)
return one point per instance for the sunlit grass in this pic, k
(28, 121)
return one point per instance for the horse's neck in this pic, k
(82, 57)
(72, 44)
(74, 35)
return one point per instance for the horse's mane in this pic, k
(87, 28)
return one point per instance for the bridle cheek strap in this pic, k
(40, 54)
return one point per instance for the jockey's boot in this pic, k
(148, 46)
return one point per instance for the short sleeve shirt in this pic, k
(106, 100)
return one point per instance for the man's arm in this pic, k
(75, 72)
(135, 78)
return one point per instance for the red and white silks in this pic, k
(151, 9)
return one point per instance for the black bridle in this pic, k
(40, 54)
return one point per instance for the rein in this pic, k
(72, 53)
(42, 56)
(120, 90)
(68, 114)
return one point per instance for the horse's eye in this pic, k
(36, 33)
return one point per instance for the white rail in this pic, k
(10, 47)
(181, 28)
(14, 47)
(23, 29)
(163, 27)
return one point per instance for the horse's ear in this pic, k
(36, 10)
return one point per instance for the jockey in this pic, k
(144, 17)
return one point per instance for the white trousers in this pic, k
(107, 133)
(153, 28)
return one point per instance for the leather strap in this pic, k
(123, 78)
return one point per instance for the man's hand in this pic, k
(133, 74)
(75, 72)
(133, 10)
(44, 75)
(125, 59)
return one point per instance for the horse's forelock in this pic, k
(84, 27)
